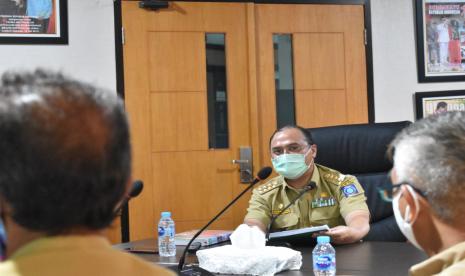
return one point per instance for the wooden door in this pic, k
(166, 95)
(328, 65)
(166, 98)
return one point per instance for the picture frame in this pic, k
(429, 103)
(440, 40)
(34, 22)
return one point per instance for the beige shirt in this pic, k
(335, 196)
(76, 256)
(450, 262)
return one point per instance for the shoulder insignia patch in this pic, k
(349, 190)
(263, 189)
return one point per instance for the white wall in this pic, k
(90, 55)
(394, 61)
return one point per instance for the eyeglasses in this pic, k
(291, 148)
(388, 193)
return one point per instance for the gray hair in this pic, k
(430, 154)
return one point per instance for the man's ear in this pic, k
(411, 204)
(314, 149)
(5, 210)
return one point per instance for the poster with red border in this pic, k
(440, 40)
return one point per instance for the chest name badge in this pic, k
(323, 202)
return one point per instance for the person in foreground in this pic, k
(64, 168)
(338, 200)
(429, 191)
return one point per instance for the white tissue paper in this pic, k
(248, 254)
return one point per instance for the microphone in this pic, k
(310, 186)
(135, 191)
(262, 175)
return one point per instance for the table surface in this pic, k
(364, 258)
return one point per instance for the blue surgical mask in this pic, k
(291, 166)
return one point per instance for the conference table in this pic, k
(363, 258)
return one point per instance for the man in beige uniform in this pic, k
(428, 198)
(65, 167)
(338, 200)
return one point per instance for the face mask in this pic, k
(404, 225)
(291, 166)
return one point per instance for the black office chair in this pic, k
(360, 150)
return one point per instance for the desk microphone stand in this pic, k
(182, 269)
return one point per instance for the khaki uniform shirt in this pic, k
(335, 196)
(76, 256)
(450, 262)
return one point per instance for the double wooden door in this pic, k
(204, 79)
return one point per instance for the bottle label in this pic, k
(324, 262)
(166, 231)
(161, 231)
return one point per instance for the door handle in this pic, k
(240, 161)
(245, 164)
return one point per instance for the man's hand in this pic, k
(357, 227)
(255, 222)
(343, 234)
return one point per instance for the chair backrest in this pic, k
(360, 150)
(355, 149)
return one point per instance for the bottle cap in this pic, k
(323, 239)
(165, 214)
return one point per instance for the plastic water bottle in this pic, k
(324, 258)
(166, 244)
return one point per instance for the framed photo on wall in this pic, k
(429, 103)
(440, 29)
(33, 22)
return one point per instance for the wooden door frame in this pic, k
(119, 39)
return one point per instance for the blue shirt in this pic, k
(41, 9)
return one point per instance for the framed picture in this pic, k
(440, 28)
(428, 103)
(33, 22)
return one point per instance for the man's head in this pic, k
(441, 107)
(292, 151)
(65, 153)
(429, 163)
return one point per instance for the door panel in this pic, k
(207, 182)
(323, 107)
(185, 129)
(166, 98)
(319, 61)
(329, 65)
(180, 52)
